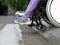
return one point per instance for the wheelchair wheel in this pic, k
(43, 28)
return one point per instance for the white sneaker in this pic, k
(16, 21)
(23, 21)
(19, 13)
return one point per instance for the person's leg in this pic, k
(31, 7)
(29, 10)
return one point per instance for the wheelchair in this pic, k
(49, 11)
(38, 14)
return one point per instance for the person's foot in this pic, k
(23, 21)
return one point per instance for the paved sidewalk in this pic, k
(31, 37)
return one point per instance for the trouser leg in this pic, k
(31, 7)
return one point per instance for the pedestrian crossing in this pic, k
(11, 35)
(1, 25)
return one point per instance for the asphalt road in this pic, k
(7, 19)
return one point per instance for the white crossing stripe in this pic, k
(11, 35)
